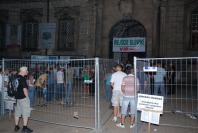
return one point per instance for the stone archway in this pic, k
(127, 28)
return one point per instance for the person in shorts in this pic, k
(22, 107)
(117, 94)
(128, 88)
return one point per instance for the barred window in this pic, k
(66, 34)
(2, 36)
(194, 30)
(30, 35)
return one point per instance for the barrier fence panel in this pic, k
(179, 87)
(78, 102)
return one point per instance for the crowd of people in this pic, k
(120, 87)
(119, 81)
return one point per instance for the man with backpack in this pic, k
(22, 107)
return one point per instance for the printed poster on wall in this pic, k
(13, 36)
(131, 44)
(47, 35)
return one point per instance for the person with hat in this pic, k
(22, 107)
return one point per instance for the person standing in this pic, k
(60, 85)
(31, 89)
(108, 89)
(86, 82)
(92, 84)
(171, 79)
(9, 99)
(50, 85)
(117, 94)
(128, 88)
(1, 85)
(22, 107)
(159, 81)
(143, 79)
(70, 78)
(40, 85)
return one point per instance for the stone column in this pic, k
(156, 29)
(98, 27)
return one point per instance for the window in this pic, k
(30, 35)
(194, 30)
(66, 34)
(2, 36)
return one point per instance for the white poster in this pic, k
(151, 103)
(47, 35)
(151, 117)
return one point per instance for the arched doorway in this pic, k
(127, 28)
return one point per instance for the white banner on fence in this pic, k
(47, 35)
(132, 44)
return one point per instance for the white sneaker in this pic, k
(32, 109)
(120, 125)
(114, 120)
(132, 125)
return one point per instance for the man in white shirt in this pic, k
(60, 85)
(117, 94)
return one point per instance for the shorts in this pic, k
(125, 103)
(39, 92)
(117, 97)
(22, 108)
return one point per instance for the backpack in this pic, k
(12, 86)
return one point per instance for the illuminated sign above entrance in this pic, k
(132, 44)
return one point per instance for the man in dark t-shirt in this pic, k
(22, 107)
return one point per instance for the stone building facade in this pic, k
(87, 27)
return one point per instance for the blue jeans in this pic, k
(50, 92)
(142, 89)
(108, 93)
(60, 91)
(31, 91)
(160, 85)
(68, 93)
(125, 103)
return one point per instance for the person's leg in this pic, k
(173, 85)
(31, 96)
(156, 86)
(109, 93)
(62, 93)
(69, 92)
(115, 112)
(25, 107)
(162, 89)
(93, 88)
(132, 110)
(115, 104)
(17, 114)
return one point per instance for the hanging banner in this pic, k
(47, 35)
(132, 44)
(13, 36)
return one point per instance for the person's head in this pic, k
(118, 67)
(14, 71)
(6, 71)
(61, 68)
(68, 65)
(23, 71)
(159, 64)
(130, 70)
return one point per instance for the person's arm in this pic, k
(25, 91)
(112, 84)
(123, 88)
